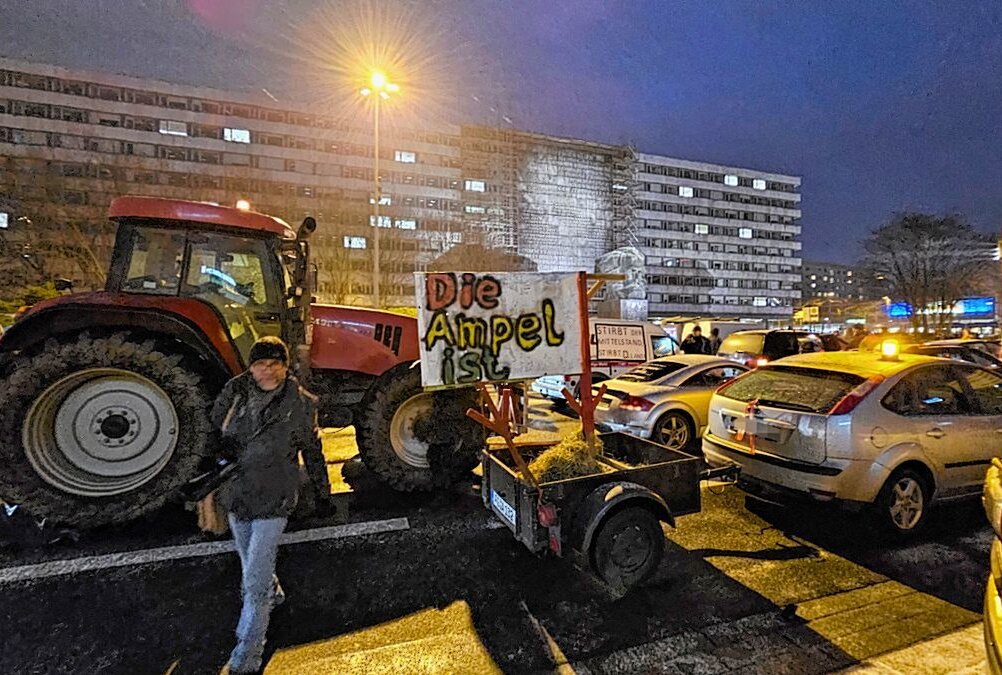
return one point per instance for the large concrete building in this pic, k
(718, 240)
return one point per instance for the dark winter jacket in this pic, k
(266, 432)
(695, 344)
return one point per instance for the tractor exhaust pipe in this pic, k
(308, 227)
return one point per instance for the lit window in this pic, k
(472, 208)
(405, 223)
(814, 277)
(354, 242)
(684, 191)
(849, 273)
(404, 156)
(758, 302)
(236, 135)
(384, 221)
(702, 229)
(384, 200)
(173, 128)
(731, 179)
(4, 221)
(745, 233)
(814, 285)
(476, 186)
(758, 184)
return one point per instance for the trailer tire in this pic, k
(417, 441)
(628, 547)
(96, 431)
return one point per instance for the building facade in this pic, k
(717, 240)
(70, 141)
(822, 280)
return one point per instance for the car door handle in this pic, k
(935, 433)
(267, 316)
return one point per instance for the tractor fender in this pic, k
(202, 332)
(607, 498)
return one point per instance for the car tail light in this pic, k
(21, 311)
(853, 398)
(761, 362)
(636, 403)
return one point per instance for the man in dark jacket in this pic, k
(695, 343)
(269, 419)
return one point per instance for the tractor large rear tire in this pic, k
(417, 441)
(96, 431)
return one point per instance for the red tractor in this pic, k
(104, 396)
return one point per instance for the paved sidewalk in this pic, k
(961, 652)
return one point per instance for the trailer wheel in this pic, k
(100, 430)
(628, 547)
(416, 440)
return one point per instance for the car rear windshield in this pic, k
(749, 343)
(651, 371)
(808, 389)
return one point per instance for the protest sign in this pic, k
(497, 327)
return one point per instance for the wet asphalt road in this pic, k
(744, 588)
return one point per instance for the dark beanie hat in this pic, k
(269, 347)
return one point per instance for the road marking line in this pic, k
(55, 568)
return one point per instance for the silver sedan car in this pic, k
(665, 399)
(858, 428)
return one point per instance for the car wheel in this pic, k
(675, 430)
(904, 503)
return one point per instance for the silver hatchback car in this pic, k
(665, 399)
(858, 428)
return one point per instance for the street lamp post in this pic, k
(379, 88)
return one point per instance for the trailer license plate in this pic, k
(504, 509)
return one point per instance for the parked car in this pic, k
(758, 347)
(860, 428)
(987, 345)
(616, 346)
(666, 399)
(957, 352)
(992, 611)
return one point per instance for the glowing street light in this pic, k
(379, 89)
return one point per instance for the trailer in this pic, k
(610, 521)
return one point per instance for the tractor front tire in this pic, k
(417, 441)
(95, 431)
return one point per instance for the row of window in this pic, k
(717, 195)
(105, 92)
(716, 230)
(756, 301)
(723, 265)
(713, 247)
(686, 209)
(711, 282)
(235, 135)
(731, 180)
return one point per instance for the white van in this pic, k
(616, 346)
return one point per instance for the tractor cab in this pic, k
(249, 268)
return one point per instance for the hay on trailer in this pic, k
(569, 458)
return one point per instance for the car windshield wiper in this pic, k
(786, 404)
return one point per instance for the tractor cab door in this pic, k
(240, 277)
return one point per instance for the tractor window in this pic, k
(154, 262)
(237, 276)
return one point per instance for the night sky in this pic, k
(880, 106)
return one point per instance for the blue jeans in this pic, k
(257, 544)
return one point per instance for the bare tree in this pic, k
(929, 261)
